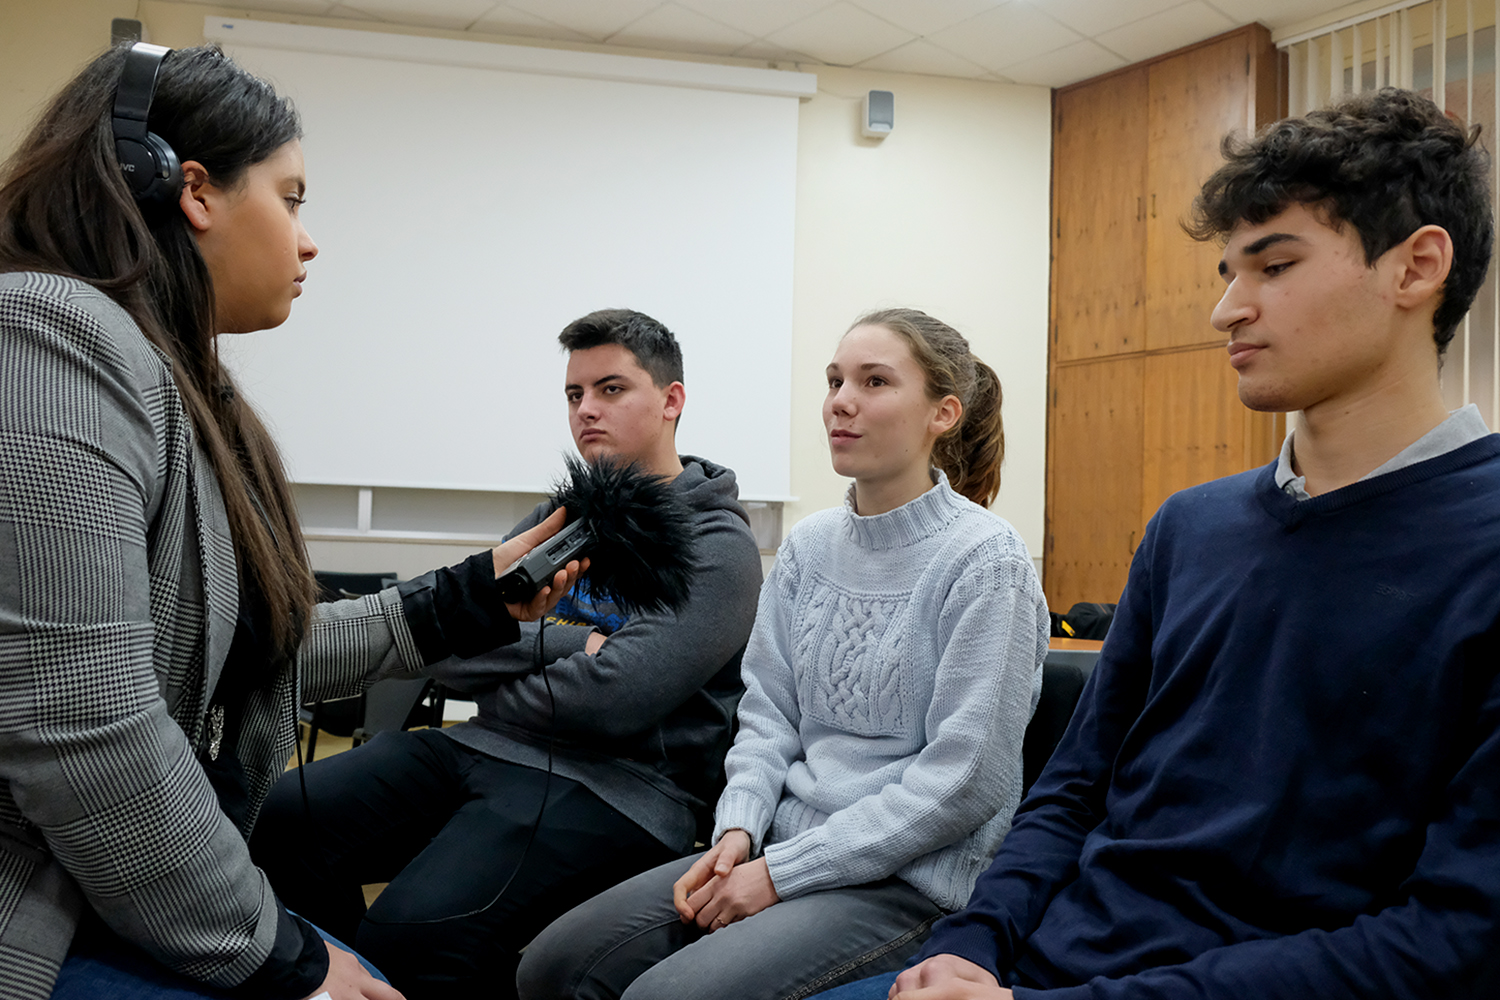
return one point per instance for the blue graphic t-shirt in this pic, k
(578, 608)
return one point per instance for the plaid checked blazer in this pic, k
(118, 599)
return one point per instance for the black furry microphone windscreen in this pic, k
(644, 548)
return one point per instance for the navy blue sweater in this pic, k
(1283, 778)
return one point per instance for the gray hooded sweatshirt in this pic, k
(644, 723)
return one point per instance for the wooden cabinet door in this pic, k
(1094, 481)
(1098, 204)
(1196, 97)
(1143, 401)
(1196, 428)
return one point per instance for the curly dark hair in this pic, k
(1386, 162)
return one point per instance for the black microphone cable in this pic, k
(536, 824)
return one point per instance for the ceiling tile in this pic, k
(1171, 29)
(926, 16)
(841, 35)
(1090, 17)
(598, 19)
(773, 53)
(677, 29)
(758, 17)
(455, 15)
(924, 57)
(505, 20)
(1066, 65)
(1275, 13)
(349, 13)
(1005, 35)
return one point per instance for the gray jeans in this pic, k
(628, 942)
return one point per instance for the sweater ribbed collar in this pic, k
(1292, 512)
(912, 522)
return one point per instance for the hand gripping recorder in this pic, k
(634, 527)
(528, 575)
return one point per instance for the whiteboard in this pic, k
(469, 200)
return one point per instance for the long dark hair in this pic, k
(972, 452)
(65, 209)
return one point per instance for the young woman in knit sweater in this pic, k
(893, 667)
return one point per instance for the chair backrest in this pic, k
(334, 585)
(1062, 682)
(389, 702)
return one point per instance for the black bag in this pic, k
(1084, 620)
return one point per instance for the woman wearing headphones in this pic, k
(157, 618)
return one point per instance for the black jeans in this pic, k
(447, 827)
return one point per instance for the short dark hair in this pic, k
(654, 347)
(1386, 162)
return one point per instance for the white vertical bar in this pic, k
(366, 505)
(1468, 62)
(1382, 41)
(1440, 54)
(1392, 46)
(1495, 196)
(1335, 65)
(1296, 80)
(1403, 18)
(1468, 122)
(1468, 376)
(1393, 50)
(1310, 96)
(1357, 77)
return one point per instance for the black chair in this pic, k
(1063, 675)
(399, 703)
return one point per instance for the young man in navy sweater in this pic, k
(1283, 779)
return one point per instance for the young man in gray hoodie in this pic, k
(633, 714)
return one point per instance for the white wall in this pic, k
(948, 214)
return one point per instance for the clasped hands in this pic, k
(722, 887)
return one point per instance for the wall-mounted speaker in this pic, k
(125, 29)
(880, 114)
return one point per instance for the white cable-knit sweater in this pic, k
(893, 667)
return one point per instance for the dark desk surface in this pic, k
(1080, 652)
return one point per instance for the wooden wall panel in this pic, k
(1195, 98)
(1100, 218)
(1195, 425)
(1143, 401)
(1093, 503)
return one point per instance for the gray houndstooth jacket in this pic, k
(118, 599)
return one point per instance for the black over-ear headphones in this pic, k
(150, 166)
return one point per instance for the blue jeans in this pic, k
(108, 966)
(874, 988)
